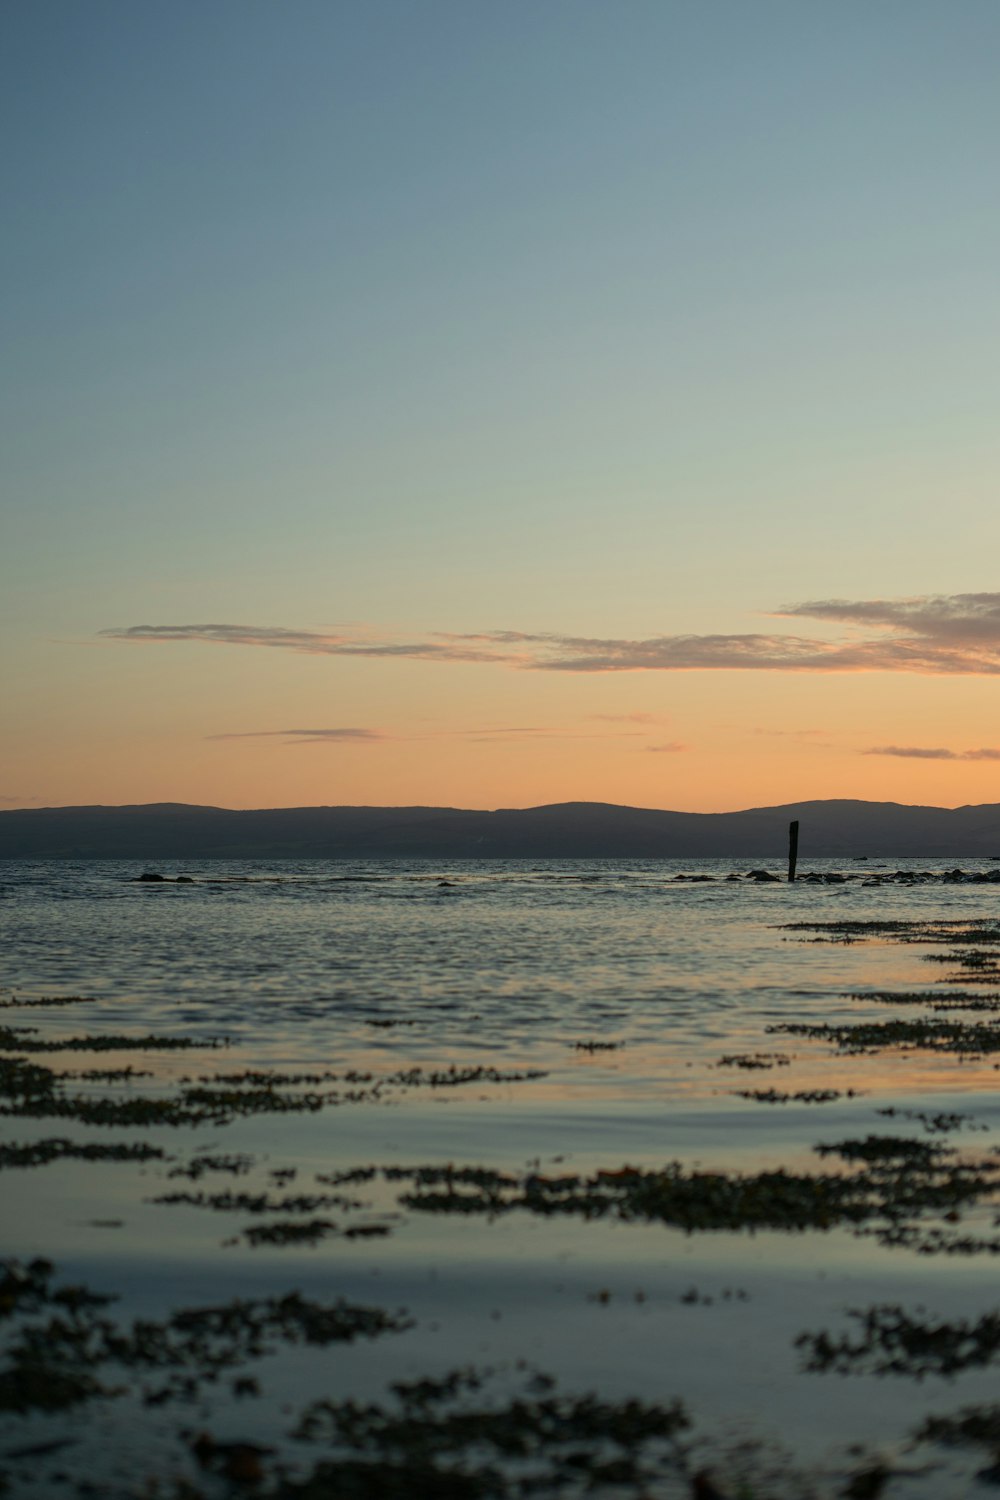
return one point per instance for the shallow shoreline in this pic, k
(608, 1297)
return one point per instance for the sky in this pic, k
(485, 405)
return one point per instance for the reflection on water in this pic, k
(557, 1019)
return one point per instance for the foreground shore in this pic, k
(599, 1246)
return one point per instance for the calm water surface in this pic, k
(631, 994)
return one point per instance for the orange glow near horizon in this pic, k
(258, 729)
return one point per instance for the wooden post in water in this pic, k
(793, 847)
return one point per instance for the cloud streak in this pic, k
(920, 752)
(310, 642)
(305, 736)
(935, 634)
(483, 733)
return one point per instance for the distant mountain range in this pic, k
(562, 830)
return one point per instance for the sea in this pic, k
(404, 1085)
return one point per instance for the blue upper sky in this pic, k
(601, 318)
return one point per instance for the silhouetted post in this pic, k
(793, 847)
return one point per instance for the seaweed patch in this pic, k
(62, 1348)
(901, 1182)
(753, 1060)
(23, 1039)
(803, 1096)
(931, 1035)
(441, 1438)
(42, 1153)
(261, 1203)
(892, 1342)
(46, 1000)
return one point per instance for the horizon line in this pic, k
(206, 807)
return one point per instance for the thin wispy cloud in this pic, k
(481, 733)
(674, 747)
(309, 642)
(921, 752)
(939, 634)
(305, 736)
(961, 617)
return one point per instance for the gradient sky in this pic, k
(494, 404)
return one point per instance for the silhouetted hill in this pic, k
(562, 830)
